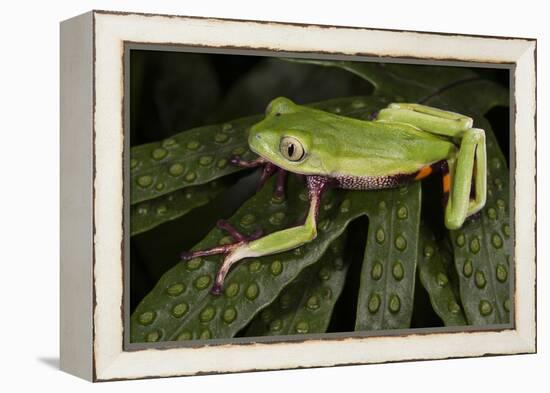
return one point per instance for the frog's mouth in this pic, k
(262, 144)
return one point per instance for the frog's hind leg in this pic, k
(256, 246)
(433, 120)
(468, 166)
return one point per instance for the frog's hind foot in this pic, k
(239, 239)
(473, 217)
(237, 236)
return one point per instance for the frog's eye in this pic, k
(291, 148)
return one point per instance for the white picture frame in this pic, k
(93, 193)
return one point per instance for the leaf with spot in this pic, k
(306, 304)
(190, 158)
(482, 248)
(180, 307)
(437, 275)
(388, 273)
(254, 283)
(147, 215)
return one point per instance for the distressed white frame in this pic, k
(92, 116)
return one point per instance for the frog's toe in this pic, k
(256, 234)
(186, 255)
(216, 289)
(235, 160)
(373, 115)
(473, 217)
(238, 161)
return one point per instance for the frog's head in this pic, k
(285, 137)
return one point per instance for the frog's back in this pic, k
(383, 150)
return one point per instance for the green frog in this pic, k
(402, 143)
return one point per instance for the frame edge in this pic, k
(76, 205)
(115, 365)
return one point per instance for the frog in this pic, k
(399, 144)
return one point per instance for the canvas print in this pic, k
(284, 197)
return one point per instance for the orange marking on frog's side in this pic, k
(446, 183)
(424, 172)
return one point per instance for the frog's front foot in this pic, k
(280, 184)
(239, 244)
(238, 161)
(267, 171)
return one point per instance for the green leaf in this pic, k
(190, 158)
(398, 82)
(180, 307)
(388, 274)
(149, 214)
(434, 266)
(482, 246)
(253, 283)
(306, 304)
(465, 98)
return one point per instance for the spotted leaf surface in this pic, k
(388, 274)
(437, 275)
(482, 248)
(305, 305)
(187, 159)
(254, 283)
(273, 292)
(149, 214)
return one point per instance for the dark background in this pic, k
(171, 92)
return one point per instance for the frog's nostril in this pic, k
(258, 136)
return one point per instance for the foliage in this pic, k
(465, 272)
